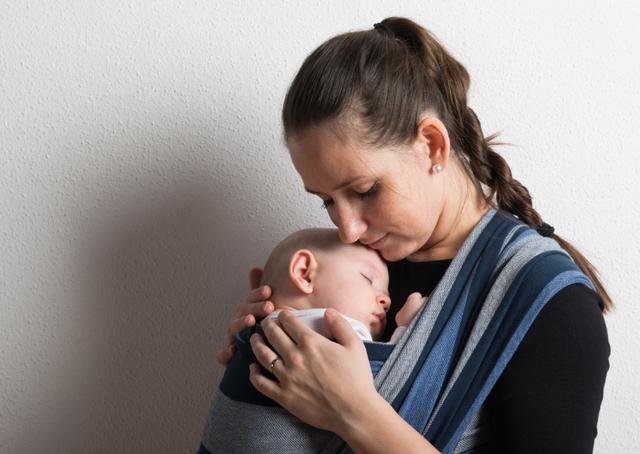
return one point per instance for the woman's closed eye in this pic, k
(361, 195)
(369, 192)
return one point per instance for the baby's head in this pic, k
(312, 268)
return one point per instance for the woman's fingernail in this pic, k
(268, 306)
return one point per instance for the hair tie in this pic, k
(384, 29)
(545, 230)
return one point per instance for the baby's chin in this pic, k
(377, 331)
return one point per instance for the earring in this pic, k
(437, 168)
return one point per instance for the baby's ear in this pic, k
(302, 270)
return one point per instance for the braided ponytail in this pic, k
(486, 166)
(402, 71)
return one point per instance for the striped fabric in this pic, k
(241, 420)
(445, 364)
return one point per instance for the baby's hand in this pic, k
(410, 309)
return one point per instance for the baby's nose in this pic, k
(385, 300)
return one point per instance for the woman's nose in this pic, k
(350, 226)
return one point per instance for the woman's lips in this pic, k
(378, 243)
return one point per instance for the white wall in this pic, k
(142, 173)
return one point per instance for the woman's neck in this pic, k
(458, 218)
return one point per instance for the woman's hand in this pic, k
(324, 383)
(254, 306)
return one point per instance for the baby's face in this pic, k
(354, 280)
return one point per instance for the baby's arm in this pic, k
(406, 314)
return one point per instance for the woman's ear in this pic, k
(433, 138)
(302, 270)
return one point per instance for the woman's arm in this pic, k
(548, 397)
(379, 429)
(329, 385)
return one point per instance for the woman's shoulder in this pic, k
(575, 308)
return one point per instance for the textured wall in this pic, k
(142, 173)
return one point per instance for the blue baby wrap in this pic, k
(235, 382)
(444, 365)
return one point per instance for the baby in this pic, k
(312, 270)
(309, 271)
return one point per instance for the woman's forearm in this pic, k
(377, 428)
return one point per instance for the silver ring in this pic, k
(273, 363)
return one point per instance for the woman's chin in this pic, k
(389, 255)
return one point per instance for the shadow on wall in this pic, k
(159, 277)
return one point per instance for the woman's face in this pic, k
(388, 199)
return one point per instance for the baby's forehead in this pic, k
(361, 253)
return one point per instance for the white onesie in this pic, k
(314, 319)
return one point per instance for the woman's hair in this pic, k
(380, 82)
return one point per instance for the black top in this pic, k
(549, 395)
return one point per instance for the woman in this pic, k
(378, 127)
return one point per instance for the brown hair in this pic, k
(388, 77)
